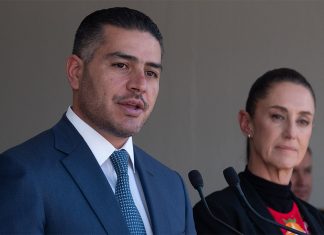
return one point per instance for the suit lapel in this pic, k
(261, 208)
(312, 222)
(152, 190)
(87, 174)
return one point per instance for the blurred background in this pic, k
(214, 50)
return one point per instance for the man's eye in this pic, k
(151, 74)
(120, 65)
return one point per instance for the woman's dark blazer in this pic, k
(229, 207)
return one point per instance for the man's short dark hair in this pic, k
(89, 35)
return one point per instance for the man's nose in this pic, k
(137, 82)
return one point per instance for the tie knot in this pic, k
(119, 160)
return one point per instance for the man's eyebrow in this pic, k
(121, 55)
(155, 65)
(125, 56)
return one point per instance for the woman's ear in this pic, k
(245, 123)
(74, 70)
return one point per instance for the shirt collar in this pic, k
(99, 146)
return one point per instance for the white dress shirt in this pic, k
(102, 149)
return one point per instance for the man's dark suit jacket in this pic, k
(229, 207)
(52, 184)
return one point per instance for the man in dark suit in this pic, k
(66, 179)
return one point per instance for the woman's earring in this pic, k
(249, 136)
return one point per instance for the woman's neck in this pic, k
(275, 196)
(270, 173)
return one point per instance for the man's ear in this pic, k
(245, 123)
(74, 70)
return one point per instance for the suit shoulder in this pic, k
(311, 209)
(25, 159)
(224, 205)
(225, 198)
(32, 145)
(307, 205)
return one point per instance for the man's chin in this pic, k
(302, 196)
(126, 132)
(130, 128)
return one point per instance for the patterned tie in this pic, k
(123, 194)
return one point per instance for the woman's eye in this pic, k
(303, 122)
(277, 117)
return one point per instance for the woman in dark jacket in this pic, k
(278, 121)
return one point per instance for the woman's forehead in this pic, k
(290, 96)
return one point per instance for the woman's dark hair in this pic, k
(89, 34)
(263, 84)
